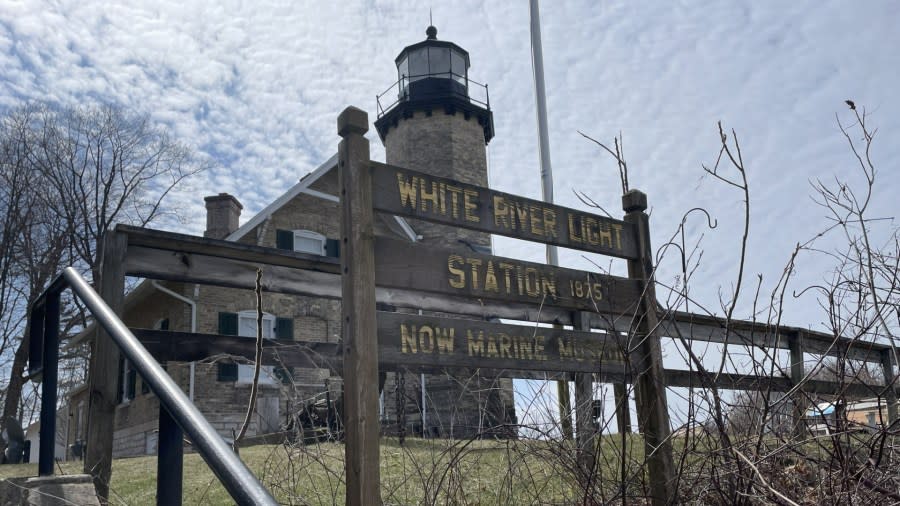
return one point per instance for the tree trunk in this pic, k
(16, 382)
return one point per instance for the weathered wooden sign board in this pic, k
(415, 195)
(415, 340)
(466, 273)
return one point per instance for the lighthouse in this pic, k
(436, 119)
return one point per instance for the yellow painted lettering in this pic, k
(539, 348)
(501, 212)
(454, 200)
(575, 229)
(548, 285)
(507, 269)
(605, 235)
(475, 263)
(520, 279)
(505, 345)
(407, 339)
(426, 196)
(476, 344)
(532, 286)
(597, 291)
(550, 222)
(407, 190)
(445, 339)
(617, 232)
(521, 213)
(492, 347)
(590, 230)
(453, 261)
(526, 349)
(470, 203)
(443, 199)
(426, 339)
(537, 226)
(490, 278)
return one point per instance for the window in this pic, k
(80, 421)
(127, 380)
(247, 324)
(307, 241)
(418, 64)
(439, 60)
(244, 324)
(458, 67)
(247, 328)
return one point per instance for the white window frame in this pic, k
(126, 369)
(305, 235)
(245, 371)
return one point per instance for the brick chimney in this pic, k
(223, 213)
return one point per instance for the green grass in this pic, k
(420, 471)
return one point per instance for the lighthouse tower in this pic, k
(437, 120)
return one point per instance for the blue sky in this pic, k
(258, 86)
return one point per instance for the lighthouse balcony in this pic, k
(433, 87)
(444, 92)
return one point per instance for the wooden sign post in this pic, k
(586, 435)
(103, 368)
(360, 346)
(646, 359)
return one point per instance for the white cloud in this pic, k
(258, 86)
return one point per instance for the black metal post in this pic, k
(36, 337)
(49, 365)
(170, 460)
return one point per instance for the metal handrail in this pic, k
(240, 482)
(400, 96)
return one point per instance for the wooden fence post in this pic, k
(646, 359)
(360, 345)
(104, 366)
(623, 414)
(564, 404)
(586, 435)
(797, 373)
(890, 381)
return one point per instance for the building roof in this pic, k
(395, 223)
(303, 186)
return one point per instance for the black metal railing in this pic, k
(400, 91)
(177, 414)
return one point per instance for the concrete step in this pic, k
(49, 491)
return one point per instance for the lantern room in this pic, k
(433, 74)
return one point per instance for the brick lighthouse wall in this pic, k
(458, 404)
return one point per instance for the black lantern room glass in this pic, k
(432, 67)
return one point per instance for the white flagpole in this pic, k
(537, 60)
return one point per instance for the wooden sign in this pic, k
(470, 274)
(415, 195)
(431, 341)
